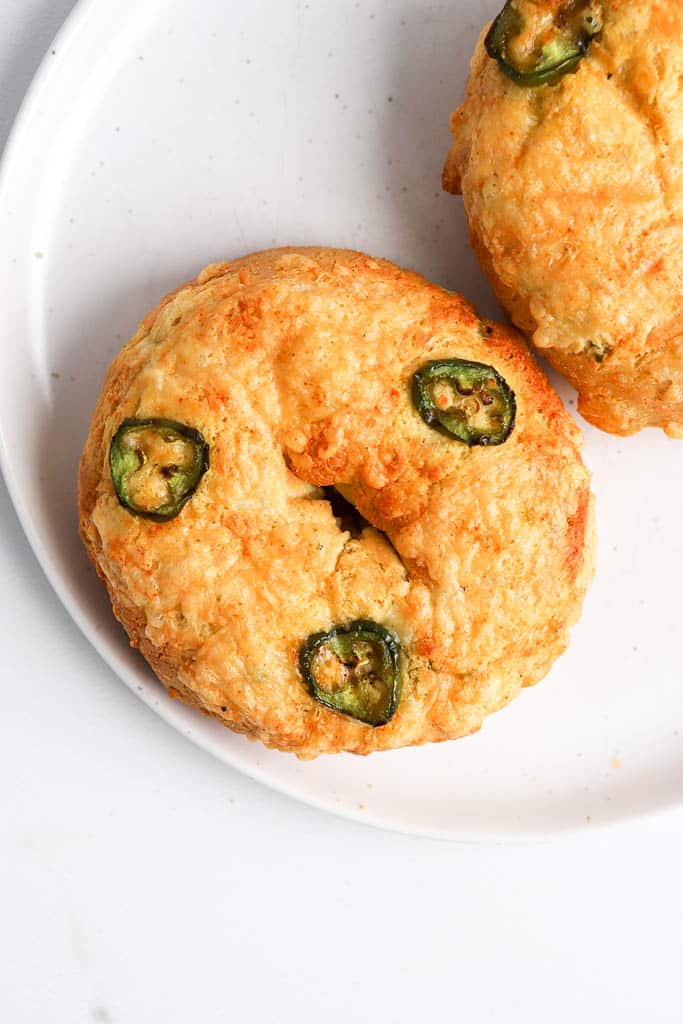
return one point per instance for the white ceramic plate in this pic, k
(160, 136)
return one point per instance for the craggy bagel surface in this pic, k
(296, 366)
(574, 198)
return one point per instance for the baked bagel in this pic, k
(332, 507)
(567, 151)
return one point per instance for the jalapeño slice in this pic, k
(469, 402)
(156, 466)
(536, 42)
(355, 670)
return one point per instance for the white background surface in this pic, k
(140, 880)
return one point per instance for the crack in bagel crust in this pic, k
(575, 211)
(296, 367)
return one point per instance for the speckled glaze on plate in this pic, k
(153, 142)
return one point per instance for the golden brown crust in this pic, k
(574, 201)
(296, 365)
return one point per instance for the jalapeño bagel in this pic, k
(333, 508)
(567, 151)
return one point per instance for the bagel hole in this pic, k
(350, 519)
(353, 522)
